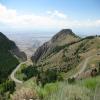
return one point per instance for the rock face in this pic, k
(63, 37)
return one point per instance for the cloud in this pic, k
(56, 13)
(14, 19)
(53, 19)
(7, 15)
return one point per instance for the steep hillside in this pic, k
(65, 51)
(8, 60)
(59, 41)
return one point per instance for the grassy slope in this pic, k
(81, 89)
(57, 57)
(68, 57)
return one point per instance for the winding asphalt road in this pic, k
(13, 74)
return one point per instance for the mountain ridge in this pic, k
(65, 36)
(67, 55)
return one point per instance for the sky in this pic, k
(49, 16)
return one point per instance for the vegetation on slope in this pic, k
(6, 88)
(7, 61)
(79, 90)
(62, 38)
(25, 72)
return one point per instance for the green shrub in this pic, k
(48, 76)
(30, 71)
(8, 85)
(71, 80)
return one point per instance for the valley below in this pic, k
(27, 42)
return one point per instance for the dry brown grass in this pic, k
(25, 94)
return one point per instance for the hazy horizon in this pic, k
(49, 17)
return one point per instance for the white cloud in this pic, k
(54, 19)
(7, 15)
(56, 13)
(14, 19)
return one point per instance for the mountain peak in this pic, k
(66, 31)
(63, 37)
(63, 33)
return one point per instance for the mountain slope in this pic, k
(60, 40)
(65, 55)
(8, 60)
(65, 51)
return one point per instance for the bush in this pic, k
(8, 85)
(71, 80)
(29, 72)
(50, 75)
(26, 72)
